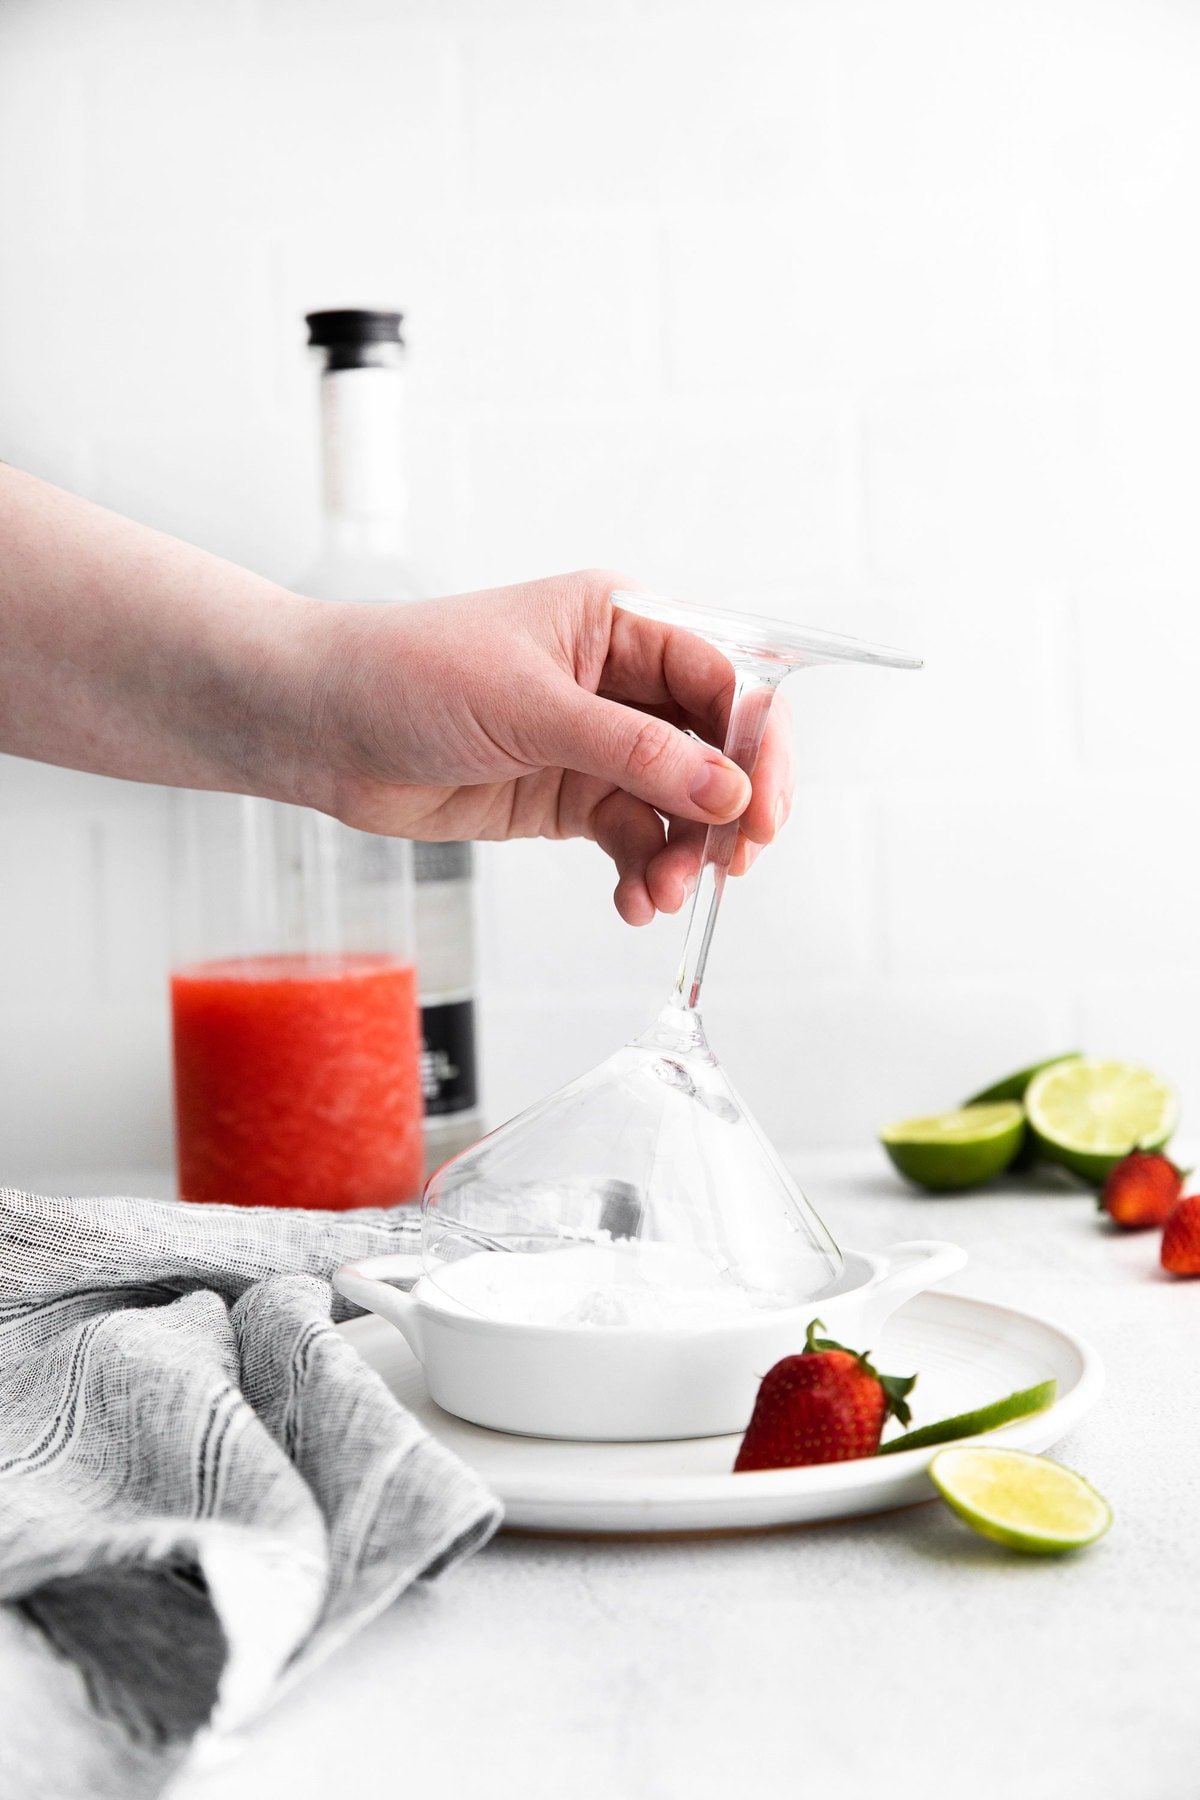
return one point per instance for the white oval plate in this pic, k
(965, 1352)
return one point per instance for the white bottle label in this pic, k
(364, 453)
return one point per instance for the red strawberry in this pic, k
(826, 1405)
(1141, 1189)
(1181, 1238)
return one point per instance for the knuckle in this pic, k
(599, 583)
(595, 588)
(650, 751)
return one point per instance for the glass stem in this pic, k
(754, 689)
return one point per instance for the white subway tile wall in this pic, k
(877, 315)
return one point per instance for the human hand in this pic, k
(537, 710)
(543, 711)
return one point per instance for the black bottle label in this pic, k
(448, 1078)
(442, 862)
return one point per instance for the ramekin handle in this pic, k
(371, 1285)
(909, 1269)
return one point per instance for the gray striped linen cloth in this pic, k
(203, 1488)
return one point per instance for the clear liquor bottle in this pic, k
(364, 556)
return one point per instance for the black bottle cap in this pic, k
(347, 332)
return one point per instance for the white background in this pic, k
(880, 314)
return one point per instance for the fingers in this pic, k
(661, 665)
(658, 684)
(745, 856)
(774, 778)
(667, 668)
(659, 875)
(672, 874)
(642, 754)
(655, 876)
(632, 834)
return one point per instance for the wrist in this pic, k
(287, 665)
(250, 715)
(319, 684)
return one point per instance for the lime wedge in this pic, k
(1088, 1114)
(956, 1149)
(1026, 1502)
(984, 1418)
(1012, 1087)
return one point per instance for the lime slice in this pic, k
(956, 1149)
(1012, 1087)
(1024, 1501)
(1088, 1114)
(984, 1418)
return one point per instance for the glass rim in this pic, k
(759, 637)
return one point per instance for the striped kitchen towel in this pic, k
(203, 1489)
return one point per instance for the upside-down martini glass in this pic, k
(643, 1194)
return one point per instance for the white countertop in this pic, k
(899, 1653)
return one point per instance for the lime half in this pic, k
(1026, 1502)
(1088, 1114)
(956, 1149)
(984, 1418)
(1013, 1087)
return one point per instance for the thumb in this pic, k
(646, 757)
